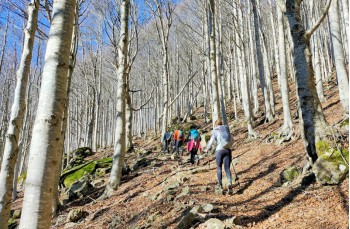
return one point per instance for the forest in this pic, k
(91, 90)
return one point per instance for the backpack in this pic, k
(180, 133)
(225, 139)
(195, 134)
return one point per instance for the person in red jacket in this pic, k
(178, 140)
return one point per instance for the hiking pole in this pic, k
(236, 179)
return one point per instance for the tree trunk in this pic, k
(119, 148)
(17, 113)
(287, 124)
(45, 146)
(339, 58)
(312, 120)
(213, 64)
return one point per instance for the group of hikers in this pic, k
(223, 154)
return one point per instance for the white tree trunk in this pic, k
(213, 64)
(339, 58)
(287, 124)
(44, 150)
(17, 112)
(119, 147)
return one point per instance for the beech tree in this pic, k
(120, 138)
(44, 149)
(17, 113)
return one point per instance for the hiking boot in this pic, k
(218, 190)
(230, 190)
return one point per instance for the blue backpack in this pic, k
(194, 134)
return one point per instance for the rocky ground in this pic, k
(162, 191)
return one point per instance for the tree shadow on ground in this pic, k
(270, 169)
(260, 162)
(269, 210)
(344, 200)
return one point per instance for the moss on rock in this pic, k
(330, 168)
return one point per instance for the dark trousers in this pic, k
(166, 145)
(223, 156)
(178, 144)
(193, 156)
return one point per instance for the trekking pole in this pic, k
(236, 179)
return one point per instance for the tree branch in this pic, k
(313, 28)
(150, 97)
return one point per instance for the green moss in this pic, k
(207, 137)
(322, 148)
(105, 162)
(333, 155)
(12, 223)
(290, 174)
(22, 177)
(344, 122)
(79, 173)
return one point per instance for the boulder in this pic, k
(206, 208)
(186, 220)
(289, 175)
(102, 171)
(213, 223)
(140, 163)
(75, 215)
(68, 177)
(329, 172)
(79, 189)
(82, 152)
(330, 167)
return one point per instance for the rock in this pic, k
(213, 223)
(153, 217)
(231, 221)
(126, 170)
(172, 186)
(98, 183)
(12, 223)
(70, 176)
(192, 117)
(69, 225)
(16, 214)
(156, 196)
(185, 191)
(289, 175)
(75, 215)
(170, 197)
(79, 189)
(329, 171)
(178, 206)
(115, 222)
(140, 163)
(75, 161)
(61, 219)
(82, 152)
(206, 208)
(102, 171)
(205, 188)
(186, 220)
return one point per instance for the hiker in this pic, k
(221, 134)
(178, 140)
(194, 144)
(167, 140)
